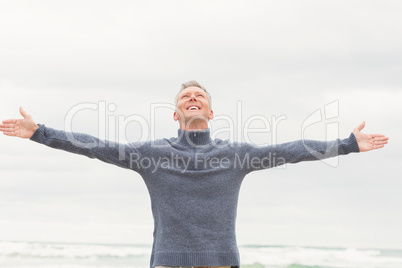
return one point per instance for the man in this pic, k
(193, 181)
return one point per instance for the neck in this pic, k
(194, 126)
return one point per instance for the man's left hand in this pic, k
(368, 142)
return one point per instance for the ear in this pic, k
(211, 114)
(175, 117)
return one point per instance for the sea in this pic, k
(15, 254)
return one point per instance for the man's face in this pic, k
(193, 102)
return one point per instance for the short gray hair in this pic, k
(192, 83)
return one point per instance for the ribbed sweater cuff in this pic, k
(349, 145)
(39, 134)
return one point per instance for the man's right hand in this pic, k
(22, 128)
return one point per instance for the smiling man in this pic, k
(193, 107)
(193, 181)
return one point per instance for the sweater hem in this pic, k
(211, 258)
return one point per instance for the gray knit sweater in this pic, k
(194, 184)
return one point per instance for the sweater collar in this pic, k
(194, 138)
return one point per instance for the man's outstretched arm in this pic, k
(311, 150)
(78, 143)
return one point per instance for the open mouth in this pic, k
(193, 108)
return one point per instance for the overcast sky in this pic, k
(276, 63)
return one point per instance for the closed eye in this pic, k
(186, 96)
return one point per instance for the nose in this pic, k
(193, 98)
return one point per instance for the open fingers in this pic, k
(4, 127)
(379, 142)
(9, 129)
(377, 135)
(374, 147)
(379, 138)
(10, 121)
(10, 133)
(361, 126)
